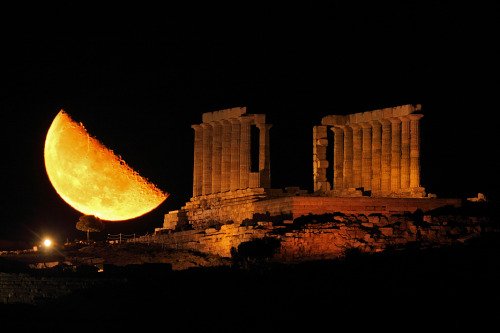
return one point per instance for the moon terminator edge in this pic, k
(91, 178)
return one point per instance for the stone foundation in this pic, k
(327, 235)
(241, 205)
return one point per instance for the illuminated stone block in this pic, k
(380, 155)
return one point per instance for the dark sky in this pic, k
(138, 85)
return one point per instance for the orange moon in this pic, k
(91, 178)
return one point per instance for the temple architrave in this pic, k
(375, 153)
(376, 169)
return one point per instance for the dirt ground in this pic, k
(139, 253)
(116, 254)
(448, 288)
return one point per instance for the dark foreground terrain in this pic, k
(408, 290)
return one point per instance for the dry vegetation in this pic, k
(140, 253)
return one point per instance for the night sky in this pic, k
(137, 86)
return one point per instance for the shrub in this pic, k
(256, 252)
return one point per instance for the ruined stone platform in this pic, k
(236, 207)
(296, 206)
(376, 181)
(327, 233)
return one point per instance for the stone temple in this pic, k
(375, 152)
(376, 169)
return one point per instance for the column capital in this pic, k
(337, 129)
(206, 125)
(245, 121)
(345, 128)
(215, 123)
(394, 120)
(385, 121)
(366, 125)
(415, 116)
(263, 125)
(375, 122)
(196, 126)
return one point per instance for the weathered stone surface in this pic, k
(387, 231)
(360, 117)
(208, 117)
(330, 237)
(222, 154)
(381, 153)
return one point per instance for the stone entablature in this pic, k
(375, 152)
(366, 117)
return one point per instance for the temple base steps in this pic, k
(235, 207)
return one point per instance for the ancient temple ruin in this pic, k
(375, 153)
(222, 152)
(367, 193)
(224, 183)
(376, 169)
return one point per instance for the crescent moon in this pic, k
(91, 178)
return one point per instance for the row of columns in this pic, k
(222, 157)
(379, 156)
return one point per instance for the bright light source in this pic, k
(47, 242)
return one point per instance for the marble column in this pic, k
(226, 156)
(348, 157)
(235, 154)
(376, 155)
(357, 155)
(264, 155)
(245, 152)
(405, 152)
(366, 165)
(216, 156)
(207, 159)
(198, 160)
(415, 149)
(395, 154)
(385, 162)
(320, 163)
(338, 158)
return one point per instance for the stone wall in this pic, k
(238, 206)
(376, 233)
(327, 236)
(304, 205)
